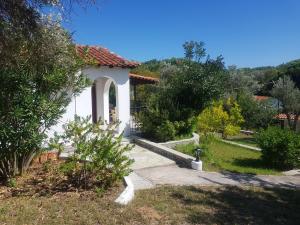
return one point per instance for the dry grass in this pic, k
(165, 205)
(47, 179)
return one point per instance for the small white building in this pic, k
(107, 69)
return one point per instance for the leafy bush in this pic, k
(280, 148)
(184, 90)
(166, 131)
(99, 154)
(157, 126)
(222, 116)
(12, 182)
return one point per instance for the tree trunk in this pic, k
(4, 169)
(26, 160)
(289, 119)
(296, 118)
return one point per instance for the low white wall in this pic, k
(179, 157)
(128, 194)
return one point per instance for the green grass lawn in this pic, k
(164, 205)
(231, 158)
(244, 139)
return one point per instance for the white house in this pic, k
(107, 68)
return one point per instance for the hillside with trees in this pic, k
(264, 76)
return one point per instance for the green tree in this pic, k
(183, 92)
(21, 27)
(292, 70)
(241, 82)
(194, 50)
(222, 116)
(288, 94)
(257, 114)
(38, 72)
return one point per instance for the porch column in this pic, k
(102, 99)
(123, 104)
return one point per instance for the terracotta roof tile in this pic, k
(283, 116)
(103, 57)
(141, 77)
(261, 98)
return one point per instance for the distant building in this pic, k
(281, 117)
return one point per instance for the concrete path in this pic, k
(144, 158)
(174, 175)
(151, 170)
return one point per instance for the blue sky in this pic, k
(248, 33)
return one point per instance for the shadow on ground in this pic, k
(252, 163)
(234, 205)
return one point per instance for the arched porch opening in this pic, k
(112, 95)
(105, 100)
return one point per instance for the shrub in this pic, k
(280, 148)
(155, 123)
(99, 154)
(166, 131)
(222, 116)
(12, 182)
(157, 127)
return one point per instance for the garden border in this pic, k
(172, 144)
(241, 145)
(128, 194)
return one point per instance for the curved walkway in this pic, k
(151, 169)
(174, 175)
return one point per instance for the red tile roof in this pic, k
(144, 78)
(103, 57)
(261, 98)
(283, 116)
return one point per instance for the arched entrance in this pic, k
(112, 103)
(105, 100)
(105, 79)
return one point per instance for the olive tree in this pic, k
(182, 92)
(288, 94)
(241, 82)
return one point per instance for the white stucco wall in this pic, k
(82, 104)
